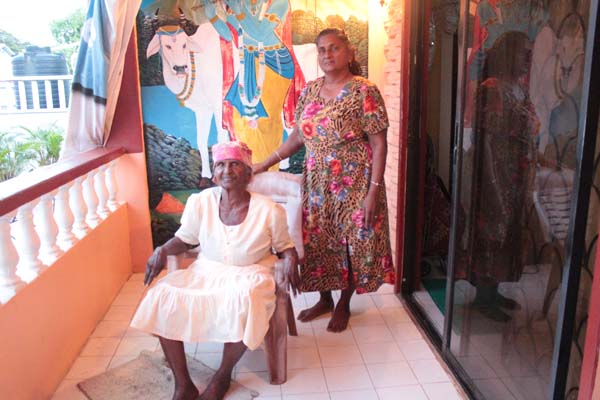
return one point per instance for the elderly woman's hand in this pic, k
(291, 276)
(155, 264)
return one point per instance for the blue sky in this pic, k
(38, 14)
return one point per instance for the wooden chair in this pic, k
(285, 189)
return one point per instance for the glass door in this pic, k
(519, 197)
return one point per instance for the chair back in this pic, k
(286, 189)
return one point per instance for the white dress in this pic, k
(228, 293)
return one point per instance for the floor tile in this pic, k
(386, 288)
(127, 299)
(302, 381)
(68, 390)
(416, 350)
(86, 367)
(209, 347)
(119, 313)
(412, 392)
(394, 315)
(348, 377)
(493, 389)
(365, 394)
(134, 345)
(340, 355)
(372, 316)
(476, 367)
(372, 334)
(325, 338)
(213, 360)
(261, 397)
(133, 332)
(373, 353)
(310, 396)
(304, 339)
(303, 358)
(258, 381)
(100, 347)
(361, 303)
(442, 391)
(386, 300)
(106, 329)
(404, 331)
(391, 374)
(429, 371)
(253, 361)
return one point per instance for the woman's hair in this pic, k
(353, 65)
(500, 58)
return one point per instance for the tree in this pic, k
(16, 45)
(68, 30)
(67, 33)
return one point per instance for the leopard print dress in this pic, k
(337, 171)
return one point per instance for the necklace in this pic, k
(250, 105)
(188, 86)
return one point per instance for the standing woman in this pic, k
(342, 121)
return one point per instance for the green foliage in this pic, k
(27, 149)
(16, 45)
(14, 156)
(68, 30)
(44, 143)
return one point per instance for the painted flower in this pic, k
(358, 218)
(350, 166)
(310, 163)
(311, 109)
(347, 180)
(341, 196)
(369, 105)
(315, 199)
(348, 135)
(336, 166)
(325, 122)
(308, 129)
(321, 131)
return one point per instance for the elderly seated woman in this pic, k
(228, 294)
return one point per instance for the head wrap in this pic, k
(234, 150)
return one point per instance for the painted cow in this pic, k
(193, 71)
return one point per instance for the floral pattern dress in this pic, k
(337, 171)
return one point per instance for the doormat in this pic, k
(148, 377)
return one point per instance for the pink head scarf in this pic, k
(234, 150)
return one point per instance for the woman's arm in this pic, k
(289, 147)
(158, 259)
(378, 143)
(290, 272)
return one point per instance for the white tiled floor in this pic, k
(383, 355)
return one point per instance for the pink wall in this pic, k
(47, 323)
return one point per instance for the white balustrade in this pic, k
(79, 208)
(111, 185)
(43, 219)
(10, 283)
(91, 200)
(64, 218)
(27, 243)
(101, 191)
(37, 233)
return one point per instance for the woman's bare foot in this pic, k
(339, 320)
(189, 392)
(323, 306)
(217, 387)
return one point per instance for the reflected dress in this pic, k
(337, 174)
(228, 293)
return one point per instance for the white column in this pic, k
(79, 208)
(64, 218)
(10, 283)
(111, 185)
(46, 227)
(101, 191)
(91, 200)
(28, 243)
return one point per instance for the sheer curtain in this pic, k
(98, 73)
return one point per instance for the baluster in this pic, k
(101, 191)
(46, 227)
(10, 283)
(91, 200)
(79, 208)
(28, 243)
(111, 185)
(64, 218)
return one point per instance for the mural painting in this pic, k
(220, 70)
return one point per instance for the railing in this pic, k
(35, 94)
(45, 212)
